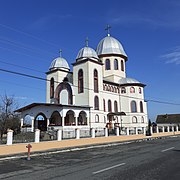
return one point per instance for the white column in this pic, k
(37, 135)
(117, 131)
(144, 131)
(59, 135)
(163, 130)
(168, 129)
(32, 124)
(9, 137)
(106, 132)
(93, 133)
(63, 119)
(127, 131)
(136, 130)
(22, 122)
(76, 121)
(177, 128)
(77, 131)
(48, 122)
(157, 129)
(151, 130)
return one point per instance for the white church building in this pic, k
(95, 94)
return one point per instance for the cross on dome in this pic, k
(60, 52)
(108, 29)
(87, 41)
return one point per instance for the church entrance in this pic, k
(40, 122)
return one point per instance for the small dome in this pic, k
(128, 81)
(87, 52)
(59, 63)
(110, 45)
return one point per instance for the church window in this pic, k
(134, 119)
(142, 119)
(107, 64)
(115, 106)
(96, 103)
(104, 104)
(122, 65)
(96, 118)
(123, 90)
(52, 88)
(140, 91)
(116, 64)
(109, 106)
(133, 106)
(132, 90)
(141, 107)
(95, 81)
(80, 81)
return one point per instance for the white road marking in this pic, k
(106, 169)
(167, 149)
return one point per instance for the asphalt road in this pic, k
(145, 160)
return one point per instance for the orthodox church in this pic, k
(95, 94)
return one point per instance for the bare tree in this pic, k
(8, 119)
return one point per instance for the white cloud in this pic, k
(173, 56)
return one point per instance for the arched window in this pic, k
(134, 119)
(140, 91)
(116, 64)
(52, 88)
(109, 106)
(133, 106)
(141, 107)
(104, 104)
(122, 65)
(96, 103)
(80, 81)
(123, 90)
(96, 118)
(107, 64)
(95, 81)
(115, 106)
(132, 90)
(142, 119)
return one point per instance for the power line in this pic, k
(39, 78)
(27, 34)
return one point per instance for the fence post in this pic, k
(93, 133)
(144, 131)
(9, 137)
(117, 131)
(151, 130)
(157, 129)
(163, 130)
(59, 134)
(77, 133)
(177, 128)
(37, 135)
(136, 130)
(168, 129)
(127, 131)
(106, 132)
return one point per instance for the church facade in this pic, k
(95, 94)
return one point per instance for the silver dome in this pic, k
(59, 63)
(128, 81)
(110, 45)
(87, 52)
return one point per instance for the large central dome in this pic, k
(110, 45)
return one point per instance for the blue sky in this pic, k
(33, 31)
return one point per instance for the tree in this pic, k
(8, 119)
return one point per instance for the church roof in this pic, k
(59, 63)
(86, 52)
(110, 45)
(130, 81)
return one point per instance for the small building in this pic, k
(95, 94)
(168, 121)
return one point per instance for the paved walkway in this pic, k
(6, 150)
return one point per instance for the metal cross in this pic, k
(60, 52)
(108, 29)
(87, 41)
